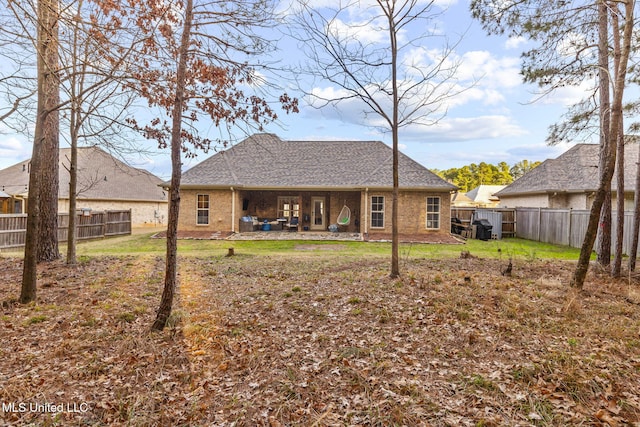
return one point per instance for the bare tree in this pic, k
(374, 63)
(89, 85)
(193, 64)
(95, 52)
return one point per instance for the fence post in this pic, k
(539, 223)
(569, 227)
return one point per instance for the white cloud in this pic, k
(515, 42)
(451, 129)
(364, 32)
(13, 149)
(537, 151)
(568, 95)
(503, 73)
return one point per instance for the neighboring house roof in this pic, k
(265, 161)
(575, 171)
(485, 193)
(4, 195)
(100, 177)
(461, 199)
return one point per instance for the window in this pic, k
(288, 207)
(377, 212)
(202, 209)
(433, 213)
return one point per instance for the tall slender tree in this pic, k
(567, 36)
(95, 53)
(603, 237)
(376, 61)
(633, 252)
(622, 58)
(43, 176)
(194, 65)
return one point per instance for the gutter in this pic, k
(309, 188)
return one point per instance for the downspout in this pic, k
(366, 211)
(233, 210)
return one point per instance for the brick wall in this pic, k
(412, 212)
(411, 216)
(219, 210)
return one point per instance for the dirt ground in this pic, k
(315, 339)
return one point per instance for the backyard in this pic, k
(315, 333)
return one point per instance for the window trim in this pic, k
(294, 203)
(438, 214)
(199, 209)
(381, 212)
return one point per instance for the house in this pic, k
(461, 200)
(266, 178)
(104, 183)
(484, 196)
(569, 181)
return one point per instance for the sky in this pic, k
(497, 119)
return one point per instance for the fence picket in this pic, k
(13, 227)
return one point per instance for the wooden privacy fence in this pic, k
(89, 225)
(566, 226)
(556, 226)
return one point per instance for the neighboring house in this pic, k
(267, 178)
(484, 196)
(461, 200)
(569, 181)
(104, 183)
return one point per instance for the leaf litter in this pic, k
(316, 339)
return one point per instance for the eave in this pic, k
(310, 188)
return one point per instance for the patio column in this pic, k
(366, 211)
(233, 210)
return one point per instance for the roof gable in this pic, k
(264, 160)
(576, 170)
(485, 193)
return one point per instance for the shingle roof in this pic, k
(266, 161)
(574, 171)
(485, 193)
(100, 176)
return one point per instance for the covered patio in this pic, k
(315, 211)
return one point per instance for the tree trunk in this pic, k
(49, 178)
(73, 200)
(30, 265)
(46, 133)
(603, 243)
(633, 252)
(603, 247)
(395, 244)
(580, 272)
(170, 277)
(617, 257)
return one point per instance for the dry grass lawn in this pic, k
(312, 339)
